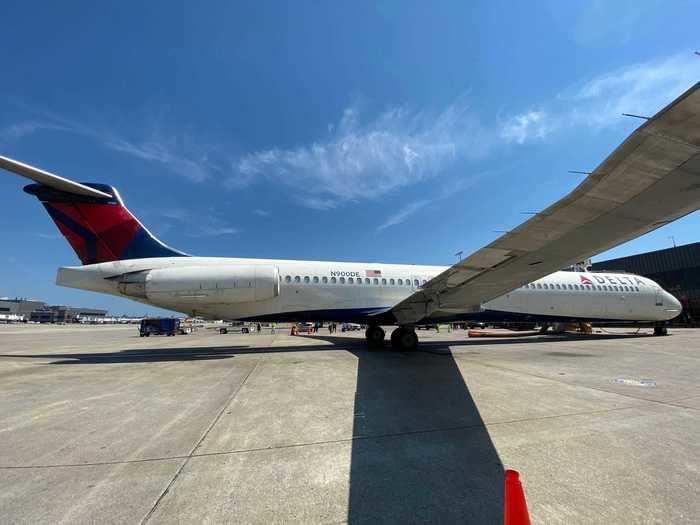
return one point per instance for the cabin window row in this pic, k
(584, 287)
(297, 279)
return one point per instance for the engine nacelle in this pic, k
(209, 285)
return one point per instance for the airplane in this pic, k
(650, 180)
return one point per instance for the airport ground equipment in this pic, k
(159, 326)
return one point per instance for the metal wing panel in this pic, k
(651, 179)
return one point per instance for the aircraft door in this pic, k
(658, 297)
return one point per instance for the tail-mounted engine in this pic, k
(195, 285)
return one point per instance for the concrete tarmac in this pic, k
(98, 425)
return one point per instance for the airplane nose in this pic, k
(674, 305)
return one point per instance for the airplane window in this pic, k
(315, 279)
(288, 279)
(350, 280)
(359, 280)
(546, 286)
(416, 282)
(342, 280)
(297, 279)
(576, 287)
(558, 287)
(408, 282)
(367, 280)
(615, 288)
(571, 287)
(539, 286)
(424, 281)
(383, 281)
(325, 280)
(375, 280)
(636, 289)
(333, 280)
(400, 281)
(391, 282)
(306, 279)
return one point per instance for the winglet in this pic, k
(49, 179)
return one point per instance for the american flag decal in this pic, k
(373, 273)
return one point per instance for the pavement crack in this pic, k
(191, 454)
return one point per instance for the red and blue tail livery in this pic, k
(100, 229)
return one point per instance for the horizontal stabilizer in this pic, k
(49, 179)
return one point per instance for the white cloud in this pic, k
(403, 214)
(155, 143)
(365, 158)
(643, 88)
(531, 125)
(261, 213)
(358, 161)
(193, 224)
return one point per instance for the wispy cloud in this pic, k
(361, 160)
(641, 88)
(364, 157)
(261, 213)
(403, 214)
(154, 143)
(48, 236)
(448, 190)
(531, 125)
(192, 224)
(598, 103)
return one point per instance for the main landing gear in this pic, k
(403, 338)
(660, 330)
(374, 335)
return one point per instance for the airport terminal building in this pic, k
(40, 312)
(676, 269)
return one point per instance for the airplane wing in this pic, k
(651, 179)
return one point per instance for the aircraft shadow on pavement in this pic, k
(420, 452)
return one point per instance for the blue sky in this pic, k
(378, 131)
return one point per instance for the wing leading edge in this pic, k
(651, 179)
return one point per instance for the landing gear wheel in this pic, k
(660, 330)
(404, 339)
(374, 335)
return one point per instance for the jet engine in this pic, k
(208, 285)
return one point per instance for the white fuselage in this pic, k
(268, 289)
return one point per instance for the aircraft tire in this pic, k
(374, 335)
(404, 339)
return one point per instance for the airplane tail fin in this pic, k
(92, 217)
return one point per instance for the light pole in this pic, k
(673, 240)
(459, 254)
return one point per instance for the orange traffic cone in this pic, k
(515, 507)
